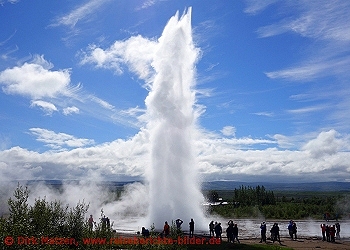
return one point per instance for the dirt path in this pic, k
(304, 243)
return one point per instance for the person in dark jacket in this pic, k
(229, 232)
(235, 234)
(294, 230)
(211, 228)
(275, 233)
(218, 231)
(263, 232)
(191, 227)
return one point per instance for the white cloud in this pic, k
(119, 160)
(229, 131)
(222, 159)
(59, 140)
(49, 90)
(321, 157)
(47, 107)
(70, 110)
(284, 141)
(35, 81)
(325, 144)
(135, 52)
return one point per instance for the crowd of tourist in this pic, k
(330, 233)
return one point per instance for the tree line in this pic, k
(250, 202)
(247, 196)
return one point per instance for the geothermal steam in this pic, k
(174, 190)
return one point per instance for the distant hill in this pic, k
(61, 182)
(311, 186)
(225, 185)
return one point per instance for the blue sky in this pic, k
(272, 81)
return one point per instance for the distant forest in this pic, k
(257, 202)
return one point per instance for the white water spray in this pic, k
(174, 187)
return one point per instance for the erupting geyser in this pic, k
(174, 188)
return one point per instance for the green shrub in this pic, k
(43, 219)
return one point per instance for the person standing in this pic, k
(290, 229)
(328, 237)
(337, 226)
(229, 232)
(178, 224)
(191, 227)
(275, 233)
(91, 222)
(332, 233)
(166, 229)
(218, 231)
(294, 230)
(211, 228)
(263, 232)
(235, 234)
(323, 230)
(145, 232)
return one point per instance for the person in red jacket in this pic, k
(166, 229)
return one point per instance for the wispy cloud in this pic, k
(309, 109)
(80, 13)
(5, 54)
(268, 114)
(146, 4)
(313, 70)
(71, 110)
(326, 24)
(8, 39)
(47, 107)
(59, 141)
(101, 102)
(256, 6)
(2, 2)
(317, 19)
(134, 112)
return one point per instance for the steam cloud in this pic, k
(172, 176)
